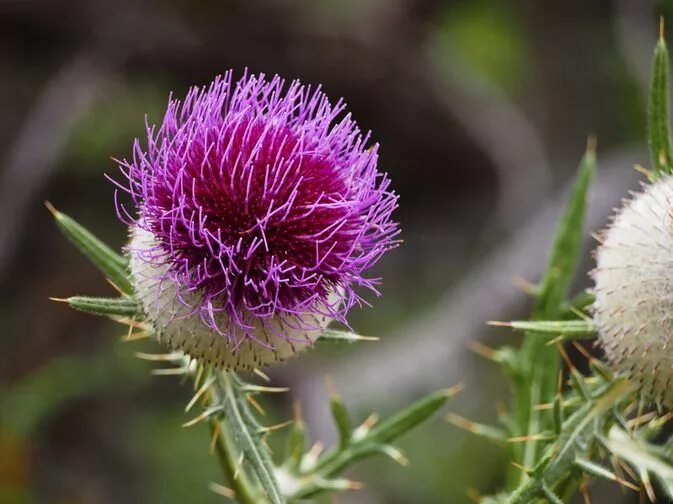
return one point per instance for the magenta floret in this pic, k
(264, 199)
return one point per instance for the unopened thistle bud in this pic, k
(259, 210)
(634, 291)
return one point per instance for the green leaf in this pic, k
(296, 442)
(570, 329)
(642, 456)
(113, 266)
(657, 114)
(341, 418)
(539, 362)
(336, 336)
(115, 307)
(410, 417)
(554, 285)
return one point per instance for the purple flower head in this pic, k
(260, 209)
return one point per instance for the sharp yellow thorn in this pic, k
(523, 284)
(282, 425)
(643, 170)
(255, 404)
(222, 490)
(597, 236)
(370, 421)
(481, 349)
(499, 323)
(199, 393)
(115, 287)
(661, 28)
(59, 300)
(354, 485)
(216, 435)
(532, 437)
(202, 416)
(315, 450)
(554, 341)
(296, 410)
(592, 143)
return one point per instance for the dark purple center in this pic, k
(256, 214)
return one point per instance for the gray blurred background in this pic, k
(482, 109)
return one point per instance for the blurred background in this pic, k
(482, 109)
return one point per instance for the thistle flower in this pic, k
(259, 210)
(634, 290)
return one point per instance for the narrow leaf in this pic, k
(407, 419)
(571, 329)
(657, 113)
(120, 307)
(103, 257)
(336, 336)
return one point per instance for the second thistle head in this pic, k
(259, 210)
(634, 291)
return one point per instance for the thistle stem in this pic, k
(238, 479)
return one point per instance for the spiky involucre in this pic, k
(260, 208)
(634, 291)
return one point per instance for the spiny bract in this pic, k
(634, 290)
(259, 209)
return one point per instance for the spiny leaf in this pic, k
(111, 264)
(570, 329)
(408, 418)
(657, 113)
(539, 363)
(336, 336)
(120, 307)
(641, 455)
(554, 286)
(340, 415)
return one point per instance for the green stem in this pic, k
(239, 482)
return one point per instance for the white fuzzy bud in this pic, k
(634, 291)
(180, 327)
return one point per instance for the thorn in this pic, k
(222, 490)
(115, 287)
(51, 208)
(585, 492)
(331, 389)
(499, 323)
(661, 28)
(315, 450)
(59, 300)
(205, 414)
(216, 435)
(131, 336)
(354, 485)
(249, 387)
(199, 393)
(519, 466)
(255, 404)
(276, 427)
(523, 284)
(454, 390)
(530, 437)
(262, 375)
(483, 350)
(567, 360)
(296, 409)
(370, 421)
(583, 351)
(592, 143)
(642, 170)
(581, 314)
(597, 236)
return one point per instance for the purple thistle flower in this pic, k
(260, 209)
